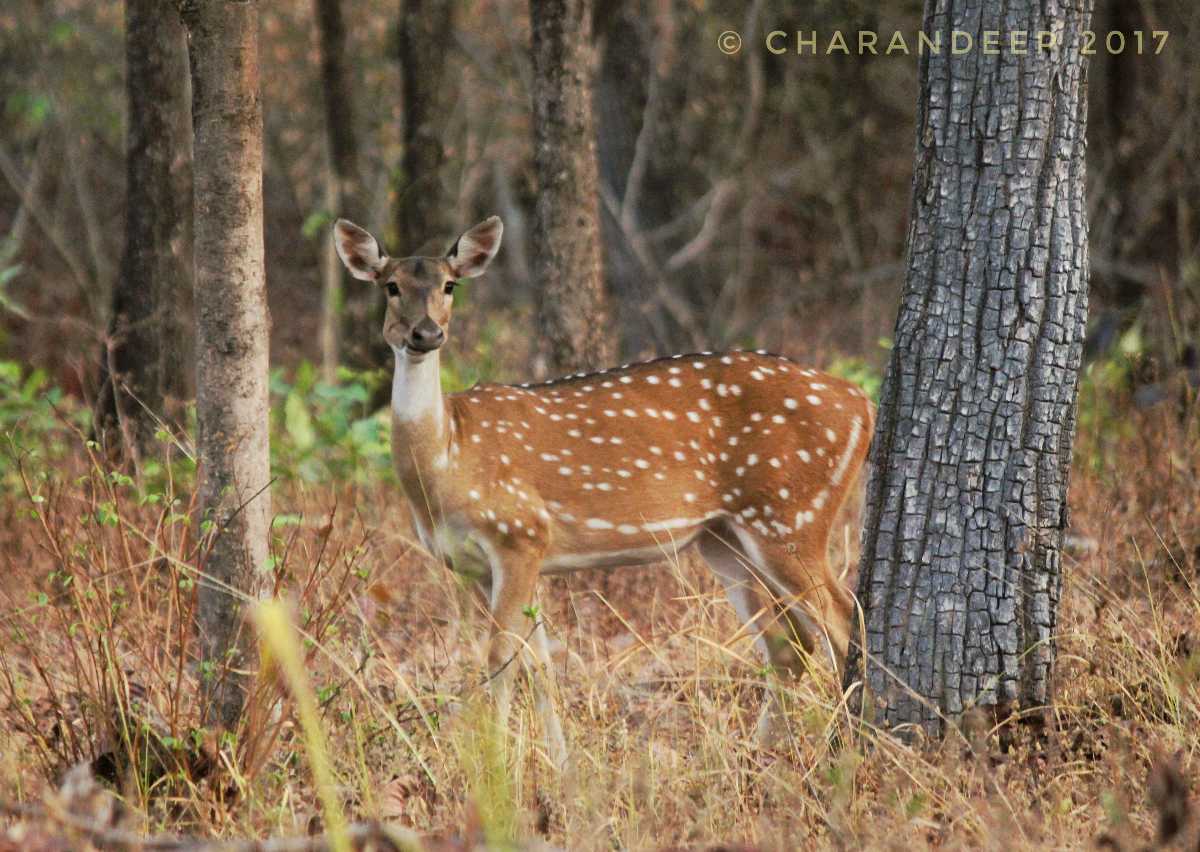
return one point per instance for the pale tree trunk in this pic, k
(232, 340)
(572, 310)
(350, 318)
(967, 499)
(142, 366)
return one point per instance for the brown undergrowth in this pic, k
(659, 691)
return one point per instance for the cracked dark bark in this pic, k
(967, 499)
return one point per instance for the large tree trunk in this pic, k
(351, 319)
(232, 341)
(967, 500)
(144, 362)
(572, 310)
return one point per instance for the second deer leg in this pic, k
(518, 641)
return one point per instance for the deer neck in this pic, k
(420, 425)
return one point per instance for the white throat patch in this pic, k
(417, 386)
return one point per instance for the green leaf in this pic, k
(298, 422)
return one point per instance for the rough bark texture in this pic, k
(143, 367)
(353, 317)
(572, 310)
(966, 504)
(232, 340)
(423, 210)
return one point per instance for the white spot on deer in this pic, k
(473, 494)
(831, 435)
(706, 384)
(598, 524)
(607, 385)
(679, 455)
(736, 390)
(625, 380)
(617, 395)
(641, 463)
(728, 498)
(817, 386)
(725, 359)
(740, 470)
(705, 405)
(627, 529)
(615, 440)
(722, 389)
(674, 370)
(656, 450)
(475, 439)
(804, 456)
(608, 412)
(699, 365)
(788, 402)
(629, 412)
(596, 439)
(604, 486)
(813, 399)
(820, 499)
(778, 418)
(565, 471)
(689, 497)
(652, 412)
(624, 474)
(784, 494)
(574, 433)
(652, 380)
(668, 415)
(504, 459)
(660, 476)
(550, 457)
(756, 375)
(693, 416)
(675, 383)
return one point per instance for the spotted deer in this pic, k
(746, 455)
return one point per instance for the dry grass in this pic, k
(659, 692)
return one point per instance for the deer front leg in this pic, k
(519, 640)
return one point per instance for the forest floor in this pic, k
(658, 690)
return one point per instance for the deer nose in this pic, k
(426, 336)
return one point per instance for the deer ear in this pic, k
(473, 251)
(358, 250)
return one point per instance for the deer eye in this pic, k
(392, 289)
(449, 288)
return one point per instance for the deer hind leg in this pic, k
(795, 605)
(518, 641)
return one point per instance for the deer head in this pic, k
(420, 290)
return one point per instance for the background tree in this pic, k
(572, 306)
(232, 340)
(350, 317)
(967, 499)
(423, 212)
(146, 359)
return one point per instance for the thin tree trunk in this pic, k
(141, 366)
(423, 208)
(232, 341)
(572, 310)
(967, 501)
(351, 318)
